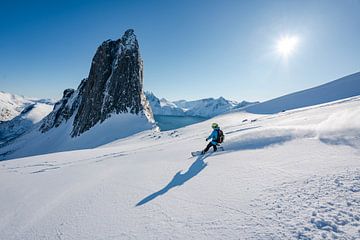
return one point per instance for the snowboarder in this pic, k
(216, 137)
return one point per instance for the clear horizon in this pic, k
(191, 50)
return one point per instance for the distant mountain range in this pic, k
(22, 114)
(12, 105)
(19, 114)
(207, 108)
(110, 104)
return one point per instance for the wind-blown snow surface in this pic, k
(293, 175)
(344, 87)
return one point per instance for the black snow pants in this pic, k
(209, 146)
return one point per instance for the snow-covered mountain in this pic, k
(12, 105)
(344, 87)
(294, 175)
(18, 114)
(208, 107)
(33, 113)
(108, 105)
(163, 106)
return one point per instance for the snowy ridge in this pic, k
(163, 106)
(19, 114)
(344, 87)
(206, 108)
(31, 115)
(293, 175)
(12, 105)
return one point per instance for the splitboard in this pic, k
(198, 153)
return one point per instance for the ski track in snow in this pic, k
(53, 165)
(293, 175)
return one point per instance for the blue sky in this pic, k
(191, 49)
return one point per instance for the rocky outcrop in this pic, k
(63, 110)
(114, 86)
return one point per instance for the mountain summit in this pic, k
(109, 104)
(114, 85)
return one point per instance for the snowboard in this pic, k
(198, 153)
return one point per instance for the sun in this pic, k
(287, 45)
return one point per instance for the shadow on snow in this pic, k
(178, 179)
(243, 144)
(199, 164)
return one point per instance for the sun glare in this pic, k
(287, 45)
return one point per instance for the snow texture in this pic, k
(292, 175)
(320, 207)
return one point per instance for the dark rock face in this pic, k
(62, 111)
(114, 86)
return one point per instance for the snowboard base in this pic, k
(198, 153)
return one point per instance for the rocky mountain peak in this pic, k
(129, 39)
(114, 86)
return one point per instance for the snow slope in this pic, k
(293, 175)
(31, 115)
(344, 87)
(59, 139)
(12, 105)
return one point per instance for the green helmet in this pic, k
(214, 125)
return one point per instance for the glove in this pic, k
(206, 140)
